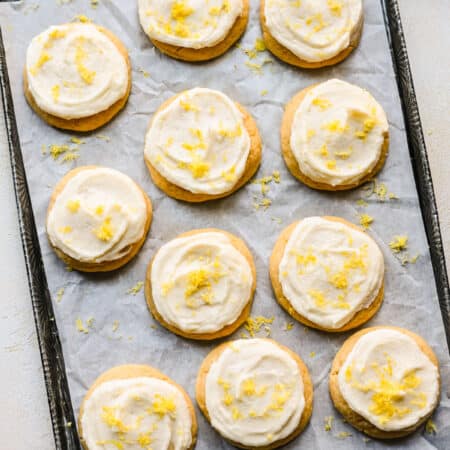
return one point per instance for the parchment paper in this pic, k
(410, 299)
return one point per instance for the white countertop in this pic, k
(24, 417)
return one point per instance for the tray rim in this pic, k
(58, 394)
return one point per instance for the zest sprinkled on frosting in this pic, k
(189, 23)
(200, 283)
(314, 30)
(330, 271)
(136, 413)
(199, 142)
(105, 212)
(75, 71)
(388, 380)
(254, 393)
(338, 133)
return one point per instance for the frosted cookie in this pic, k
(193, 30)
(97, 219)
(334, 136)
(136, 407)
(200, 285)
(385, 381)
(255, 392)
(327, 273)
(77, 76)
(311, 33)
(200, 146)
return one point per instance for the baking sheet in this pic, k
(411, 299)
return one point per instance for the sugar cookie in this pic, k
(194, 30)
(200, 285)
(255, 392)
(97, 219)
(131, 406)
(311, 33)
(334, 136)
(77, 76)
(385, 381)
(201, 146)
(327, 273)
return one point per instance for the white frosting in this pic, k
(330, 271)
(254, 393)
(189, 23)
(200, 283)
(388, 380)
(97, 216)
(314, 30)
(75, 71)
(338, 133)
(135, 414)
(199, 142)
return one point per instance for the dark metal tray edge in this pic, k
(60, 405)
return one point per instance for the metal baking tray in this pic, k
(60, 405)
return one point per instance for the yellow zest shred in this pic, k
(68, 153)
(59, 295)
(365, 221)
(106, 231)
(82, 18)
(43, 58)
(198, 167)
(103, 137)
(80, 327)
(344, 435)
(335, 127)
(322, 103)
(163, 405)
(335, 7)
(144, 440)
(77, 141)
(253, 324)
(136, 288)
(263, 203)
(288, 326)
(380, 190)
(399, 243)
(331, 164)
(65, 229)
(144, 72)
(328, 423)
(109, 417)
(80, 55)
(55, 92)
(430, 427)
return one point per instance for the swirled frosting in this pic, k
(199, 142)
(200, 283)
(338, 132)
(98, 214)
(75, 71)
(314, 30)
(329, 271)
(189, 23)
(254, 393)
(135, 414)
(388, 380)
